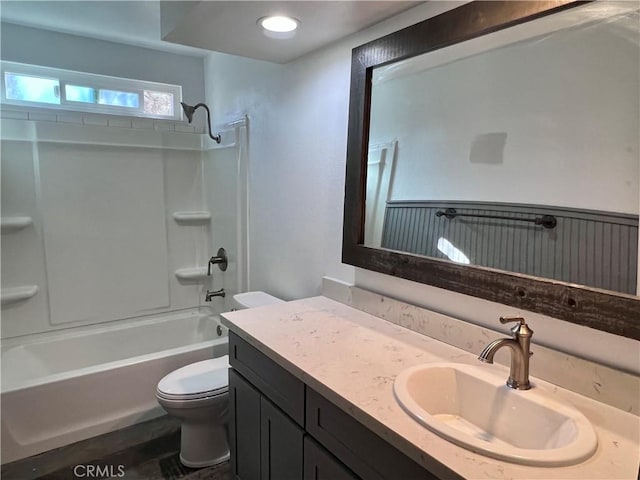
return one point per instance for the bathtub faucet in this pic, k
(215, 293)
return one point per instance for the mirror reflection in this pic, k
(517, 151)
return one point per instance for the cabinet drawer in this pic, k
(278, 385)
(321, 465)
(368, 455)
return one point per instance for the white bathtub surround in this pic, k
(17, 294)
(352, 358)
(192, 217)
(62, 387)
(602, 383)
(99, 245)
(130, 233)
(195, 274)
(13, 224)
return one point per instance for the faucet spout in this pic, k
(519, 346)
(216, 293)
(490, 350)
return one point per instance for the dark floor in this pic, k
(154, 460)
(102, 457)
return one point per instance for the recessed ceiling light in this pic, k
(278, 24)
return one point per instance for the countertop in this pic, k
(352, 359)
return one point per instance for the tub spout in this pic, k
(216, 293)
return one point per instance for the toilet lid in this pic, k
(208, 377)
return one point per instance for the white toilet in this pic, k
(198, 395)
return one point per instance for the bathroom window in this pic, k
(32, 89)
(32, 85)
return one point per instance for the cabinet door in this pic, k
(273, 381)
(244, 428)
(361, 450)
(281, 444)
(321, 465)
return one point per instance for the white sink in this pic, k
(472, 407)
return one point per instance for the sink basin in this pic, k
(472, 407)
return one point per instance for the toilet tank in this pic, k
(254, 299)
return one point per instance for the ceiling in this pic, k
(191, 27)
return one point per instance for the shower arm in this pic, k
(216, 138)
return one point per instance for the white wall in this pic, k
(71, 52)
(297, 150)
(559, 128)
(298, 131)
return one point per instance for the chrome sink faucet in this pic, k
(519, 345)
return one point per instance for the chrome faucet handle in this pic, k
(519, 330)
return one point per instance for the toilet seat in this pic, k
(208, 378)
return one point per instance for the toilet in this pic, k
(197, 394)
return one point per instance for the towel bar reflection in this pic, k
(547, 221)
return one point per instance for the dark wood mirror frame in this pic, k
(603, 310)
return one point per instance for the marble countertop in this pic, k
(352, 359)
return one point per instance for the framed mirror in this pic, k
(493, 150)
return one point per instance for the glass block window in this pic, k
(32, 85)
(158, 103)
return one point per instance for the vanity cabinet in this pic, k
(244, 428)
(365, 452)
(321, 465)
(265, 443)
(281, 429)
(266, 406)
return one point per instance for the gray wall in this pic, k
(71, 52)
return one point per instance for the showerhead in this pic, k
(190, 110)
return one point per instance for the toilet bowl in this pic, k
(197, 394)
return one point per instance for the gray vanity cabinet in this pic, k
(244, 428)
(281, 442)
(321, 465)
(281, 429)
(266, 444)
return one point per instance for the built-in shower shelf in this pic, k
(194, 273)
(192, 217)
(18, 294)
(11, 224)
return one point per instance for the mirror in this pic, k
(503, 162)
(491, 152)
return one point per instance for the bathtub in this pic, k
(68, 386)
